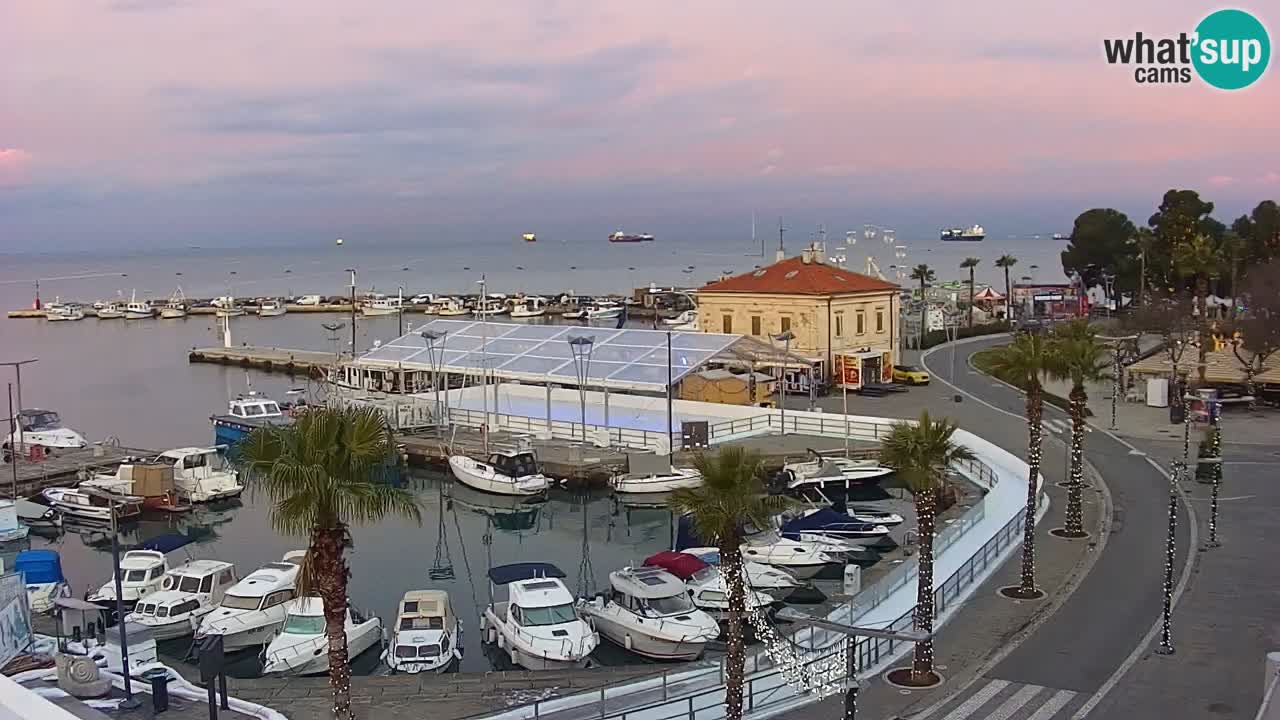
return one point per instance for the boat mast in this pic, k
(484, 362)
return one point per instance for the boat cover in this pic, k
(682, 565)
(39, 566)
(825, 519)
(164, 543)
(504, 574)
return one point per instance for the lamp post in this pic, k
(400, 311)
(785, 339)
(580, 346)
(435, 340)
(17, 371)
(353, 312)
(129, 701)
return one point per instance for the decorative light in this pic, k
(1215, 445)
(1166, 619)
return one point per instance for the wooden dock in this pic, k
(66, 466)
(269, 359)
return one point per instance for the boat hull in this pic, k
(655, 485)
(300, 659)
(466, 472)
(133, 315)
(172, 314)
(654, 648)
(495, 632)
(247, 638)
(277, 312)
(375, 312)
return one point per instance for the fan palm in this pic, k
(1006, 262)
(1078, 357)
(1023, 363)
(731, 494)
(920, 452)
(925, 275)
(1200, 258)
(318, 475)
(969, 264)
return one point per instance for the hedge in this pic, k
(938, 337)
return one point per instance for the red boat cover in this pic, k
(682, 565)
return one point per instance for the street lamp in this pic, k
(580, 346)
(353, 312)
(785, 338)
(17, 370)
(435, 340)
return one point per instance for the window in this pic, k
(553, 615)
(727, 324)
(515, 614)
(711, 596)
(839, 324)
(755, 325)
(135, 576)
(278, 598)
(444, 643)
(162, 611)
(193, 461)
(206, 585)
(187, 583)
(429, 651)
(226, 578)
(861, 325)
(240, 602)
(156, 572)
(674, 605)
(304, 625)
(786, 324)
(879, 320)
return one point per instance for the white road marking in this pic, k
(977, 700)
(1015, 703)
(1053, 705)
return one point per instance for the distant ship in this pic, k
(530, 237)
(621, 237)
(972, 234)
(1060, 236)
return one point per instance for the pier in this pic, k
(33, 314)
(268, 359)
(64, 466)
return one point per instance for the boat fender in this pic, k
(502, 641)
(626, 641)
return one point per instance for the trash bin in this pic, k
(159, 681)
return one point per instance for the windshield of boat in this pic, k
(189, 584)
(135, 576)
(707, 573)
(240, 602)
(674, 605)
(553, 615)
(424, 651)
(304, 624)
(41, 421)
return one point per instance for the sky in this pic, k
(153, 123)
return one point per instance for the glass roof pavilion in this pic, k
(622, 359)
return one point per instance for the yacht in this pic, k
(141, 573)
(187, 593)
(829, 524)
(138, 310)
(41, 571)
(759, 575)
(528, 307)
(245, 414)
(11, 528)
(176, 307)
(801, 559)
(490, 306)
(302, 647)
(109, 311)
(93, 504)
(710, 595)
(602, 310)
(202, 474)
(827, 473)
(271, 308)
(684, 317)
(43, 428)
(427, 636)
(449, 307)
(574, 314)
(253, 609)
(539, 625)
(648, 611)
(508, 472)
(659, 482)
(69, 311)
(382, 306)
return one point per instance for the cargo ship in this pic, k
(621, 237)
(970, 234)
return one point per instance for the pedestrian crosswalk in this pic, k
(1005, 700)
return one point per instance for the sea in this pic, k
(130, 382)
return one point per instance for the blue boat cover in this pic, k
(825, 519)
(164, 543)
(39, 566)
(504, 574)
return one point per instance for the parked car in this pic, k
(426, 299)
(910, 375)
(309, 300)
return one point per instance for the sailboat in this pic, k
(176, 307)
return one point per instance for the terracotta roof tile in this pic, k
(793, 276)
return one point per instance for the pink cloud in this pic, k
(14, 163)
(1221, 180)
(1271, 177)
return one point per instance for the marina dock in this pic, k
(64, 466)
(268, 359)
(32, 313)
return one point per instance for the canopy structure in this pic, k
(506, 574)
(623, 359)
(987, 294)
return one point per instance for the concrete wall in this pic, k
(19, 703)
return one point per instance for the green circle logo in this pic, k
(1231, 49)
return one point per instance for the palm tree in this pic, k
(1022, 363)
(731, 494)
(969, 264)
(1006, 262)
(1077, 356)
(318, 474)
(1200, 258)
(921, 452)
(925, 275)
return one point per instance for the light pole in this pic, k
(17, 371)
(400, 312)
(129, 701)
(353, 312)
(671, 447)
(580, 346)
(435, 340)
(785, 338)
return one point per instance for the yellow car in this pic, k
(910, 375)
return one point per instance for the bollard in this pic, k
(159, 681)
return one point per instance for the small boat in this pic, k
(93, 504)
(574, 314)
(141, 573)
(11, 528)
(42, 428)
(826, 473)
(244, 414)
(489, 307)
(253, 609)
(801, 559)
(271, 308)
(648, 612)
(621, 237)
(528, 307)
(710, 595)
(109, 311)
(382, 306)
(602, 310)
(227, 312)
(427, 636)
(759, 575)
(59, 313)
(829, 524)
(973, 233)
(153, 482)
(176, 307)
(187, 593)
(202, 474)
(539, 625)
(35, 515)
(684, 317)
(41, 570)
(508, 472)
(138, 310)
(873, 515)
(656, 482)
(449, 307)
(529, 237)
(302, 647)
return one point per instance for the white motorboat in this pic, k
(759, 575)
(41, 571)
(141, 573)
(42, 428)
(227, 307)
(302, 647)
(648, 612)
(801, 559)
(658, 482)
(253, 609)
(427, 636)
(833, 472)
(187, 593)
(711, 596)
(574, 314)
(136, 310)
(827, 525)
(449, 307)
(683, 318)
(176, 307)
(508, 472)
(874, 515)
(202, 474)
(68, 311)
(530, 306)
(11, 528)
(490, 306)
(382, 306)
(93, 504)
(539, 625)
(271, 308)
(109, 311)
(602, 310)
(35, 515)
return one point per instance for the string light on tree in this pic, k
(1166, 617)
(1215, 454)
